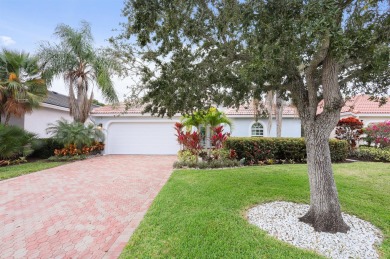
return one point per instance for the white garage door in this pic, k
(154, 138)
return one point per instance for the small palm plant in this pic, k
(75, 133)
(15, 142)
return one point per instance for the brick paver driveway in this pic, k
(86, 209)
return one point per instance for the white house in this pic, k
(130, 132)
(245, 125)
(368, 111)
(55, 107)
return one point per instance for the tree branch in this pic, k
(310, 72)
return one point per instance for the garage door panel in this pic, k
(141, 138)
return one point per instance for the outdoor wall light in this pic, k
(100, 126)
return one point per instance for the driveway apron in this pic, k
(85, 209)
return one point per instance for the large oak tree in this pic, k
(202, 52)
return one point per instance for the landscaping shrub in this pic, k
(15, 143)
(255, 150)
(219, 163)
(75, 133)
(378, 133)
(371, 154)
(66, 158)
(76, 138)
(349, 129)
(45, 147)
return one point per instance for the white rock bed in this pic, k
(280, 220)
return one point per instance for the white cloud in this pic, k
(6, 41)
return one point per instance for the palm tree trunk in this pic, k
(7, 118)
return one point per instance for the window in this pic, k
(257, 130)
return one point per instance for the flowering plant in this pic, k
(219, 137)
(378, 133)
(349, 129)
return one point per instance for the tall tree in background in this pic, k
(22, 87)
(81, 66)
(228, 52)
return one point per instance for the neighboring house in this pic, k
(245, 125)
(368, 111)
(55, 107)
(362, 108)
(130, 132)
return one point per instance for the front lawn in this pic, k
(201, 213)
(7, 172)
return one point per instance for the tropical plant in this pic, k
(349, 129)
(378, 133)
(15, 142)
(81, 66)
(218, 138)
(228, 52)
(75, 133)
(214, 118)
(22, 87)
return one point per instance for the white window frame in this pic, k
(251, 129)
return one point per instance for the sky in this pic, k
(26, 23)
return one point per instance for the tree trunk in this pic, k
(279, 114)
(7, 118)
(324, 213)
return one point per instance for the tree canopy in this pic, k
(22, 86)
(204, 52)
(226, 52)
(81, 66)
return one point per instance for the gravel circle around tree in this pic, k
(280, 220)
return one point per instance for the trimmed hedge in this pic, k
(45, 148)
(255, 149)
(371, 154)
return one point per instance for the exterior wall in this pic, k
(129, 134)
(367, 119)
(291, 127)
(15, 121)
(106, 120)
(38, 120)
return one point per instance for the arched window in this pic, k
(257, 130)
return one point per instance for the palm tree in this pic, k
(81, 66)
(209, 119)
(214, 118)
(75, 133)
(22, 87)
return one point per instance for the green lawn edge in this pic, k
(201, 213)
(8, 172)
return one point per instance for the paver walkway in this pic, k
(86, 209)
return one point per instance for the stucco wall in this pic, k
(106, 120)
(38, 120)
(291, 127)
(14, 121)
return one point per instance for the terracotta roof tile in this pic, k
(117, 109)
(288, 110)
(361, 104)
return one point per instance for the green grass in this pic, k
(7, 172)
(201, 213)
